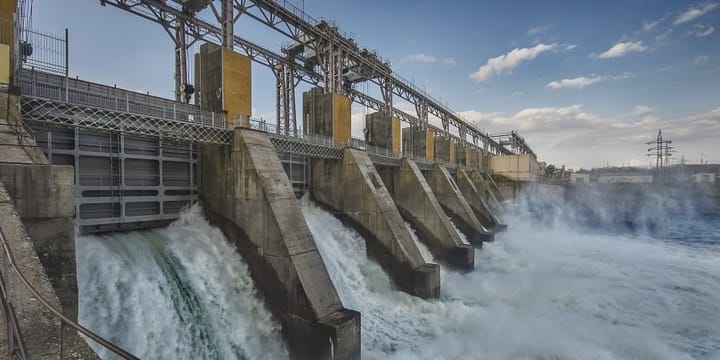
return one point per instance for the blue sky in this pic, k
(587, 83)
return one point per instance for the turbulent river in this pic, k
(550, 287)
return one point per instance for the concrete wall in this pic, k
(453, 201)
(475, 199)
(248, 195)
(43, 196)
(40, 330)
(419, 206)
(353, 188)
(516, 167)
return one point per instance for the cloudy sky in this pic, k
(587, 83)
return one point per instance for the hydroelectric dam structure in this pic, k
(82, 157)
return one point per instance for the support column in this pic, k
(419, 142)
(450, 197)
(383, 131)
(247, 194)
(354, 189)
(445, 149)
(327, 114)
(419, 206)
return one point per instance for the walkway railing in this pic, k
(49, 86)
(16, 344)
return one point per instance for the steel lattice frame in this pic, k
(72, 115)
(337, 53)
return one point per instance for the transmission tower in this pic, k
(662, 151)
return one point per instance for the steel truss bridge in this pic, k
(135, 155)
(319, 54)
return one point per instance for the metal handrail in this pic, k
(15, 339)
(63, 319)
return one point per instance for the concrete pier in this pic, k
(493, 186)
(445, 149)
(473, 196)
(246, 193)
(419, 206)
(419, 142)
(327, 114)
(383, 131)
(486, 191)
(461, 154)
(353, 189)
(450, 197)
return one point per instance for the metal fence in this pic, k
(51, 86)
(43, 51)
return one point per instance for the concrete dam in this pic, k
(265, 240)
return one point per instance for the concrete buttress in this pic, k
(352, 187)
(450, 197)
(247, 194)
(486, 191)
(479, 206)
(419, 206)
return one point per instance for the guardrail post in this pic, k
(67, 66)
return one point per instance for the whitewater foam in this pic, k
(179, 292)
(542, 290)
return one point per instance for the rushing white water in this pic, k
(182, 292)
(543, 290)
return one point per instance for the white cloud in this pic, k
(694, 13)
(450, 61)
(507, 62)
(583, 81)
(575, 83)
(701, 59)
(623, 48)
(700, 30)
(573, 134)
(662, 37)
(650, 26)
(640, 110)
(421, 58)
(537, 30)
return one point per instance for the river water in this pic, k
(550, 287)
